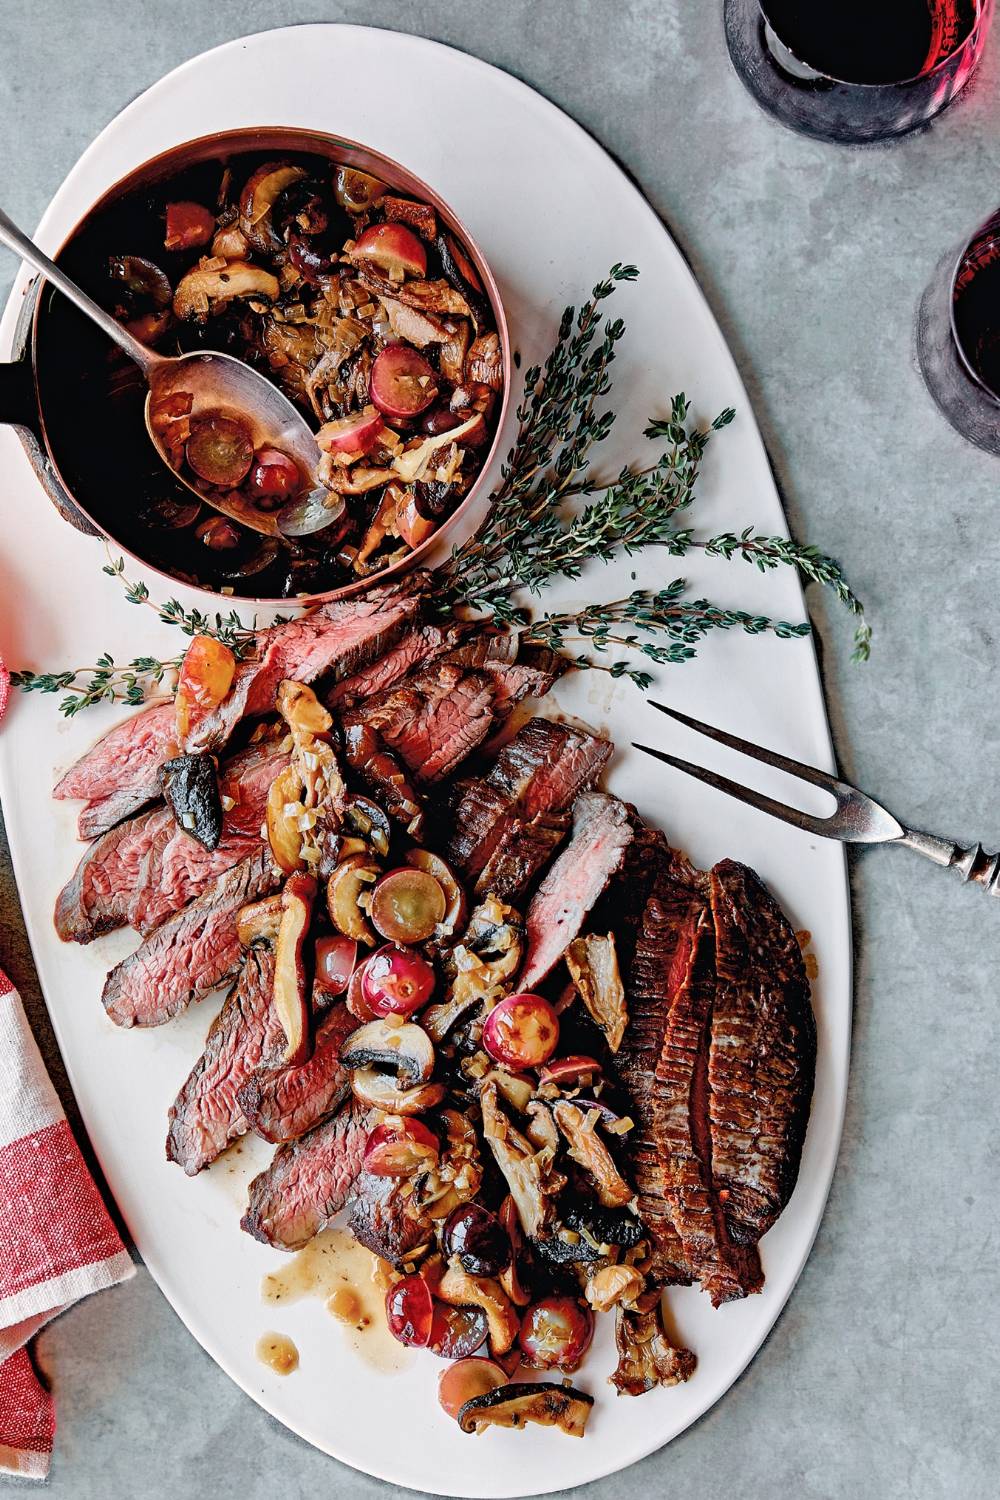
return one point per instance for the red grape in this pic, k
(465, 1380)
(335, 960)
(522, 1031)
(393, 248)
(397, 982)
(401, 383)
(399, 1150)
(556, 1333)
(219, 450)
(407, 906)
(188, 226)
(457, 1331)
(478, 1239)
(357, 433)
(409, 1311)
(274, 476)
(569, 1071)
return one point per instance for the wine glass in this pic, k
(856, 71)
(958, 336)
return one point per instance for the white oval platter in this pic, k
(552, 212)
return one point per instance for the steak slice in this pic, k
(520, 855)
(344, 634)
(762, 1058)
(433, 719)
(602, 831)
(192, 953)
(532, 675)
(381, 1220)
(536, 775)
(177, 867)
(281, 1104)
(422, 644)
(121, 773)
(206, 1114)
(308, 1181)
(97, 898)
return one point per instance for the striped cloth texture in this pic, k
(57, 1242)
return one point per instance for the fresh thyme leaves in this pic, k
(533, 533)
(549, 516)
(106, 682)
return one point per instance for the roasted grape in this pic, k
(478, 1239)
(397, 982)
(522, 1031)
(407, 906)
(409, 1311)
(556, 1333)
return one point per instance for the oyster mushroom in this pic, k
(203, 293)
(611, 1285)
(529, 1172)
(261, 192)
(482, 966)
(646, 1356)
(593, 965)
(587, 1148)
(459, 1289)
(515, 1405)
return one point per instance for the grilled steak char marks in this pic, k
(281, 1104)
(507, 824)
(308, 1182)
(762, 1059)
(121, 773)
(601, 834)
(433, 719)
(206, 1115)
(422, 644)
(192, 953)
(380, 1218)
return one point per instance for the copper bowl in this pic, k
(23, 405)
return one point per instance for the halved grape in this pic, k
(568, 1072)
(556, 1333)
(396, 982)
(522, 1031)
(357, 433)
(457, 1332)
(407, 906)
(219, 450)
(409, 1311)
(392, 248)
(402, 383)
(465, 1381)
(401, 1149)
(478, 1239)
(356, 1002)
(335, 961)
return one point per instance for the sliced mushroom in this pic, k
(201, 292)
(406, 1049)
(344, 890)
(460, 1289)
(419, 216)
(356, 191)
(262, 190)
(230, 243)
(529, 1173)
(301, 710)
(587, 1148)
(510, 1277)
(482, 966)
(515, 1405)
(593, 965)
(367, 820)
(646, 1355)
(291, 982)
(458, 1175)
(611, 1285)
(381, 1091)
(258, 923)
(412, 464)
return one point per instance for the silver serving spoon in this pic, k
(217, 383)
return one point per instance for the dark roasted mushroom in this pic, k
(366, 820)
(191, 788)
(646, 1356)
(515, 1405)
(589, 1151)
(258, 199)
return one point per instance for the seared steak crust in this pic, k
(380, 1217)
(422, 644)
(206, 1114)
(282, 1103)
(762, 1059)
(308, 1182)
(193, 952)
(433, 719)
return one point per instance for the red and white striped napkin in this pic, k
(57, 1242)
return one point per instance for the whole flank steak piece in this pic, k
(602, 831)
(247, 1032)
(283, 1103)
(98, 897)
(507, 823)
(121, 773)
(308, 1181)
(341, 635)
(762, 1056)
(192, 953)
(432, 720)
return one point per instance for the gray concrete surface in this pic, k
(881, 1377)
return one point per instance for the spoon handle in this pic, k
(17, 241)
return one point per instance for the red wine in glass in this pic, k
(958, 336)
(856, 71)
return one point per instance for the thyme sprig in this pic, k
(105, 682)
(229, 629)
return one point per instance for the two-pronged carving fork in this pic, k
(856, 820)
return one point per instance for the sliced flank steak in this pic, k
(602, 831)
(97, 898)
(308, 1181)
(424, 643)
(121, 773)
(432, 720)
(283, 1103)
(206, 1115)
(192, 953)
